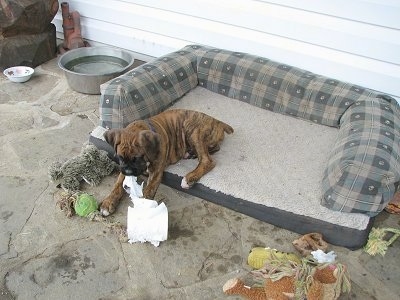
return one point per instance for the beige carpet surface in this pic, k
(271, 159)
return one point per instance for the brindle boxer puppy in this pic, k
(162, 140)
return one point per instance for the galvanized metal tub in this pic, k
(89, 67)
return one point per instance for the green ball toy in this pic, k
(85, 204)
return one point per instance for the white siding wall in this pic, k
(352, 40)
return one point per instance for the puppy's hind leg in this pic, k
(205, 165)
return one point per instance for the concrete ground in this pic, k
(45, 255)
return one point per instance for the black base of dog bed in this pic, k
(334, 234)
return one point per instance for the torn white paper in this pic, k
(323, 257)
(147, 220)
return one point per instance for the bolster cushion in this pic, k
(278, 87)
(148, 89)
(364, 165)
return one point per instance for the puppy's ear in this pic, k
(113, 137)
(150, 141)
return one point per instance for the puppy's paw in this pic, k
(107, 208)
(104, 212)
(184, 184)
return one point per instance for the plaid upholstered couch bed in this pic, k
(363, 169)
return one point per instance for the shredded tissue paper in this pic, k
(323, 257)
(147, 220)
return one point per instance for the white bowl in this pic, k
(19, 73)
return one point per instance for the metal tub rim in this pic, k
(90, 83)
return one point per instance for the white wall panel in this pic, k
(352, 40)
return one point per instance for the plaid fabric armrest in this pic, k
(365, 162)
(149, 88)
(277, 87)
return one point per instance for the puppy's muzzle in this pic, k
(132, 167)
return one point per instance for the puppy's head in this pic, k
(134, 148)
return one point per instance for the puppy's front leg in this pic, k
(110, 203)
(153, 182)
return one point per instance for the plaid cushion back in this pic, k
(277, 87)
(365, 162)
(148, 89)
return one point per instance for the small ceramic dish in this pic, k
(19, 73)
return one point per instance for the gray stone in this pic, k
(79, 269)
(28, 49)
(26, 16)
(16, 207)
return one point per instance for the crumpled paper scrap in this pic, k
(147, 220)
(323, 257)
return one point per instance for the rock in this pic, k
(28, 49)
(26, 16)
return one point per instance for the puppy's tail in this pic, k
(227, 128)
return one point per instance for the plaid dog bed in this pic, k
(363, 168)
